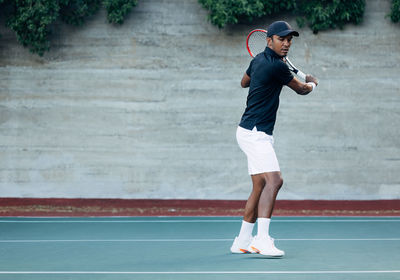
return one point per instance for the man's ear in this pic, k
(269, 41)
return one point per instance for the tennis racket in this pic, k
(257, 41)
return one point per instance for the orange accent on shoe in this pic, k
(244, 251)
(255, 249)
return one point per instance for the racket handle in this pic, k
(301, 75)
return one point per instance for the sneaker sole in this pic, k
(256, 251)
(241, 251)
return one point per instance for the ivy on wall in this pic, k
(223, 12)
(395, 11)
(32, 19)
(317, 14)
(326, 14)
(75, 12)
(118, 9)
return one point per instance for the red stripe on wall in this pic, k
(47, 207)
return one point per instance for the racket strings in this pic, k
(257, 42)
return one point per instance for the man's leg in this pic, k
(272, 182)
(251, 208)
(242, 241)
(263, 196)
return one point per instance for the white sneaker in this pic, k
(265, 246)
(241, 246)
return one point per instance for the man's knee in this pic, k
(259, 182)
(272, 180)
(279, 183)
(276, 182)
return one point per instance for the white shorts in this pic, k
(258, 147)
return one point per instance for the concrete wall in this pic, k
(149, 109)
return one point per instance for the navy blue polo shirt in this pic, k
(268, 75)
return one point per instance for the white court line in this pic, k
(186, 240)
(209, 272)
(199, 221)
(113, 240)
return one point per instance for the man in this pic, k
(265, 77)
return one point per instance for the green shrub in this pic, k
(326, 14)
(395, 11)
(31, 20)
(118, 9)
(318, 14)
(76, 11)
(223, 12)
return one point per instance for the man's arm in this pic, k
(302, 88)
(245, 82)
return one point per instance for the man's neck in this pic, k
(273, 52)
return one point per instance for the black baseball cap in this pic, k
(281, 28)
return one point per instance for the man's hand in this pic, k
(310, 78)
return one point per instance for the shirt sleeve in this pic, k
(248, 71)
(282, 73)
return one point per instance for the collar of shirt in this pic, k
(270, 52)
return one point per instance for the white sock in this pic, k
(263, 227)
(246, 231)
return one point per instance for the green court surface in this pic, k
(196, 248)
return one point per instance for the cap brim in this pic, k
(288, 32)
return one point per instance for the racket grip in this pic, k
(301, 75)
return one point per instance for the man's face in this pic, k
(280, 45)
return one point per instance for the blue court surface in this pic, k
(196, 248)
